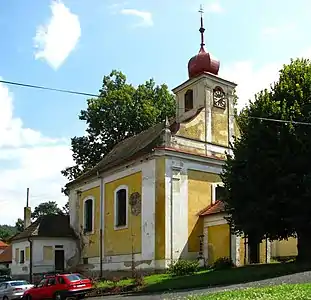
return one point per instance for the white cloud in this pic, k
(214, 7)
(145, 16)
(27, 159)
(58, 38)
(251, 79)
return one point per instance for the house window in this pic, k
(22, 257)
(85, 260)
(121, 207)
(189, 100)
(88, 215)
(218, 192)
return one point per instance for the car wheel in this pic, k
(58, 296)
(27, 297)
(5, 298)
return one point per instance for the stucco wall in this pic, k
(284, 248)
(144, 182)
(39, 264)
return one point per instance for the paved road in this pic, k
(304, 277)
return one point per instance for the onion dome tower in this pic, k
(202, 62)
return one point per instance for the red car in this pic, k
(60, 286)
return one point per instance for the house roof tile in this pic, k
(212, 209)
(48, 226)
(6, 255)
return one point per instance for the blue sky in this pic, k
(72, 44)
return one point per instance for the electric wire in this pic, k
(93, 95)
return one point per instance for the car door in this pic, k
(39, 290)
(51, 288)
(2, 286)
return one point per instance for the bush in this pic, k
(223, 263)
(139, 280)
(183, 267)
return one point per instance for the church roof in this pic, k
(212, 209)
(134, 147)
(47, 226)
(129, 148)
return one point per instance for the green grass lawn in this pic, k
(211, 278)
(281, 292)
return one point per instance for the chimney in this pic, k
(27, 212)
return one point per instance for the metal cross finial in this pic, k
(201, 11)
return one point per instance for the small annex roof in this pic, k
(6, 255)
(47, 226)
(216, 208)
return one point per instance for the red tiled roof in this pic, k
(212, 209)
(3, 244)
(6, 255)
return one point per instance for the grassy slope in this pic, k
(210, 278)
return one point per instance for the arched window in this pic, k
(189, 100)
(88, 215)
(121, 207)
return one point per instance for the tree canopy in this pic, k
(268, 178)
(48, 208)
(6, 232)
(19, 225)
(120, 111)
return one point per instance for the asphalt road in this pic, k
(304, 277)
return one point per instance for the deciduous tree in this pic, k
(46, 208)
(120, 111)
(268, 178)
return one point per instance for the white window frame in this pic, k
(121, 187)
(214, 185)
(93, 214)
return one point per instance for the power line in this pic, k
(47, 88)
(281, 121)
(93, 95)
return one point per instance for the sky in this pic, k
(72, 44)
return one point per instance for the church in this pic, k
(155, 198)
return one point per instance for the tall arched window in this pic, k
(189, 100)
(121, 207)
(88, 215)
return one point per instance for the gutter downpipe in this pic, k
(30, 260)
(101, 227)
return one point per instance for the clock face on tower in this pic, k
(219, 99)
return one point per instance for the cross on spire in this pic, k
(202, 29)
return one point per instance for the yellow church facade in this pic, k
(155, 197)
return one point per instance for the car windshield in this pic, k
(18, 283)
(75, 277)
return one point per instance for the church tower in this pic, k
(205, 102)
